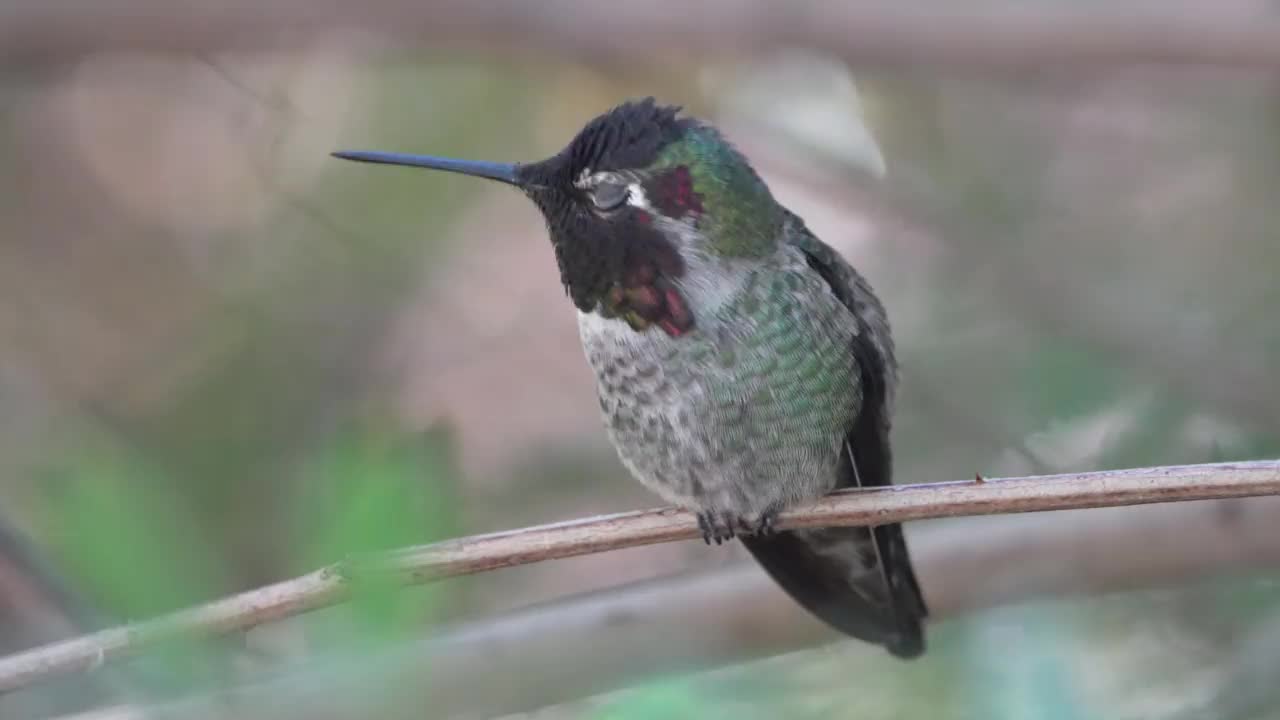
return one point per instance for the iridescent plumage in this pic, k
(742, 365)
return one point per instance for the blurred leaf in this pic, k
(664, 699)
(1156, 438)
(372, 491)
(130, 543)
(1253, 446)
(1063, 380)
(1016, 671)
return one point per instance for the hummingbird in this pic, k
(742, 365)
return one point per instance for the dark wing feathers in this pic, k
(870, 592)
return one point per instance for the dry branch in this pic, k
(876, 32)
(463, 556)
(601, 641)
(36, 607)
(604, 640)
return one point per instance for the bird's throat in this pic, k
(646, 301)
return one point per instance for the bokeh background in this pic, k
(227, 359)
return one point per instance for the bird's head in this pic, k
(633, 197)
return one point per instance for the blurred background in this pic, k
(227, 359)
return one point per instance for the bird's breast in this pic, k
(748, 410)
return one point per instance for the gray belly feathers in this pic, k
(745, 414)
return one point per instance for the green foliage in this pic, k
(1061, 380)
(371, 491)
(129, 542)
(133, 545)
(1017, 671)
(665, 699)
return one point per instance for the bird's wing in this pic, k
(859, 580)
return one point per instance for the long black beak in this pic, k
(502, 172)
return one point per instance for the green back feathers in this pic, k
(740, 217)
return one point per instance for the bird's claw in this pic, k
(722, 527)
(715, 527)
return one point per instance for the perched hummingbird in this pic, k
(742, 365)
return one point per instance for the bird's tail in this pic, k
(859, 580)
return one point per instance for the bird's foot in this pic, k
(716, 527)
(764, 524)
(723, 527)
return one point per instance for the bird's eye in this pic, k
(609, 196)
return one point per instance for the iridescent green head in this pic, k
(624, 200)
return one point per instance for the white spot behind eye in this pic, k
(636, 197)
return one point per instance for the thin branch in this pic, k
(608, 639)
(877, 32)
(464, 556)
(37, 607)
